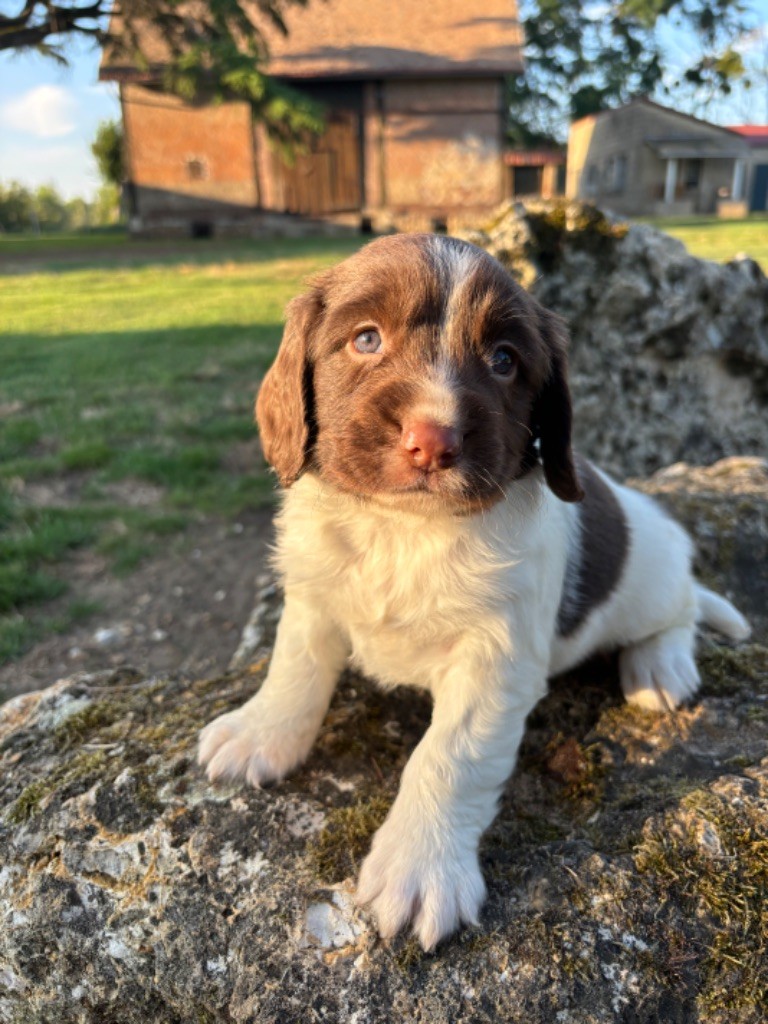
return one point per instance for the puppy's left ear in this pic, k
(552, 413)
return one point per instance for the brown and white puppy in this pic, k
(437, 531)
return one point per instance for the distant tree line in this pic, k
(44, 210)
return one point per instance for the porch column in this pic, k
(670, 182)
(739, 173)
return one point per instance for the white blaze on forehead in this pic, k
(455, 262)
(454, 257)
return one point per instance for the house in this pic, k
(756, 174)
(414, 94)
(645, 159)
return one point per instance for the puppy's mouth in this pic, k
(454, 487)
(433, 482)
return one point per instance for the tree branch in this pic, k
(27, 29)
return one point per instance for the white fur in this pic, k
(466, 608)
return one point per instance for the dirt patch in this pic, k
(57, 492)
(182, 613)
(133, 493)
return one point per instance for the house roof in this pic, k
(756, 135)
(688, 118)
(361, 39)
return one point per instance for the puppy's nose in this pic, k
(430, 446)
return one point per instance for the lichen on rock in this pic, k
(625, 871)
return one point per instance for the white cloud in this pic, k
(46, 111)
(68, 166)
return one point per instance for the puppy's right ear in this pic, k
(285, 403)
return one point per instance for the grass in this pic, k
(126, 374)
(713, 239)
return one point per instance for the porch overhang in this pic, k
(696, 149)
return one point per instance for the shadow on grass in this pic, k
(69, 254)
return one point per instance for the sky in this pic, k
(49, 113)
(48, 119)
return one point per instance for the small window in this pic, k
(615, 176)
(196, 170)
(592, 176)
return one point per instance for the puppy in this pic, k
(437, 531)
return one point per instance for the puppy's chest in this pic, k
(405, 600)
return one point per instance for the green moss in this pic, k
(80, 767)
(27, 803)
(408, 955)
(78, 727)
(711, 858)
(728, 669)
(584, 226)
(336, 852)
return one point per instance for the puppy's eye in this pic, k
(367, 343)
(503, 361)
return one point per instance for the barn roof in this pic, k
(363, 39)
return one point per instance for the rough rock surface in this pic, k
(669, 355)
(627, 869)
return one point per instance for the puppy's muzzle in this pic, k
(430, 446)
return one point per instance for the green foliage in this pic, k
(43, 210)
(582, 58)
(107, 148)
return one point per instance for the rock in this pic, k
(626, 871)
(669, 356)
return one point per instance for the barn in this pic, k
(415, 125)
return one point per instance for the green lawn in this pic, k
(121, 371)
(720, 240)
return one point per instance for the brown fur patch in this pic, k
(596, 566)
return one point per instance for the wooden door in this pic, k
(327, 179)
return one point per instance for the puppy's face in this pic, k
(418, 372)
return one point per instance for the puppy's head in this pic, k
(417, 371)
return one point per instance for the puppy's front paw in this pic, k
(420, 878)
(241, 745)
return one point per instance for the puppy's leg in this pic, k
(423, 865)
(660, 672)
(272, 733)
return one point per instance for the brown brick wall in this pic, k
(202, 152)
(429, 149)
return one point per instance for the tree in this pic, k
(50, 209)
(107, 148)
(16, 207)
(584, 57)
(214, 49)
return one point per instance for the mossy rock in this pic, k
(133, 889)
